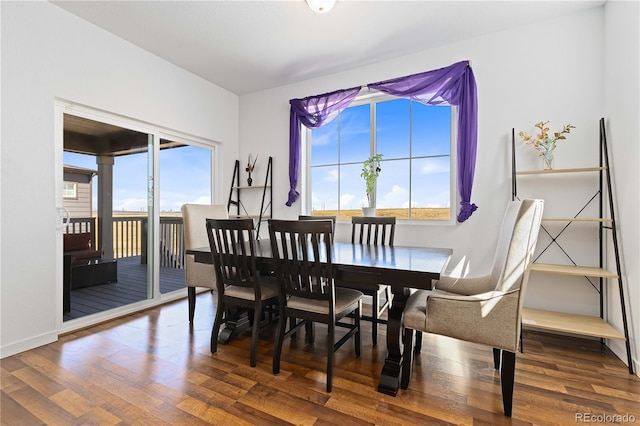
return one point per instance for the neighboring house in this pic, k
(77, 192)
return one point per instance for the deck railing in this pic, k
(130, 238)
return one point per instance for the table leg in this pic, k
(237, 324)
(392, 369)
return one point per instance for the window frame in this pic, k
(75, 191)
(374, 97)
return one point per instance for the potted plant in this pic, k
(370, 172)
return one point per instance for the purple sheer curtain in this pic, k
(313, 112)
(453, 85)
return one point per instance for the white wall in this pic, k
(622, 105)
(49, 53)
(547, 71)
(552, 71)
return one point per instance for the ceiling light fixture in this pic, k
(321, 6)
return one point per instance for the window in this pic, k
(416, 143)
(70, 190)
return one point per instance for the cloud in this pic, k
(331, 175)
(432, 166)
(346, 201)
(398, 196)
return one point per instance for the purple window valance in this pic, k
(313, 112)
(453, 85)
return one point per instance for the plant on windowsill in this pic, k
(370, 172)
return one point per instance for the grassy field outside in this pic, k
(400, 214)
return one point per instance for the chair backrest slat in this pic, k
(373, 230)
(232, 243)
(299, 251)
(331, 218)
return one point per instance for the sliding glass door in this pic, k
(105, 172)
(123, 186)
(185, 177)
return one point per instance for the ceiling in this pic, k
(89, 137)
(248, 46)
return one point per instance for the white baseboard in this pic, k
(30, 343)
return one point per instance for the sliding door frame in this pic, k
(156, 133)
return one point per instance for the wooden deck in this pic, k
(131, 287)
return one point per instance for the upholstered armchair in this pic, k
(195, 235)
(487, 309)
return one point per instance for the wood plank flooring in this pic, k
(152, 368)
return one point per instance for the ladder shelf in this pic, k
(266, 205)
(564, 322)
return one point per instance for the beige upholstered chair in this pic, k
(195, 235)
(484, 310)
(307, 289)
(232, 243)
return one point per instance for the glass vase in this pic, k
(547, 159)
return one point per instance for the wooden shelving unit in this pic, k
(563, 322)
(266, 206)
(583, 325)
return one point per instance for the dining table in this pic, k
(403, 268)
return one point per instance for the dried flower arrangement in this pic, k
(545, 144)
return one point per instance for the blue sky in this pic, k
(185, 177)
(423, 131)
(185, 172)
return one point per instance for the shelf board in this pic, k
(552, 171)
(251, 187)
(576, 219)
(583, 325)
(578, 271)
(251, 216)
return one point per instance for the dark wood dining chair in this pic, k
(331, 218)
(304, 270)
(373, 231)
(232, 243)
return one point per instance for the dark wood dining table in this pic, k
(401, 267)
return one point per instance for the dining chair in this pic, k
(232, 243)
(195, 236)
(487, 309)
(373, 231)
(331, 218)
(304, 270)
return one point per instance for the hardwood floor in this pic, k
(151, 368)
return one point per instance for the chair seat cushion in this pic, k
(345, 298)
(269, 289)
